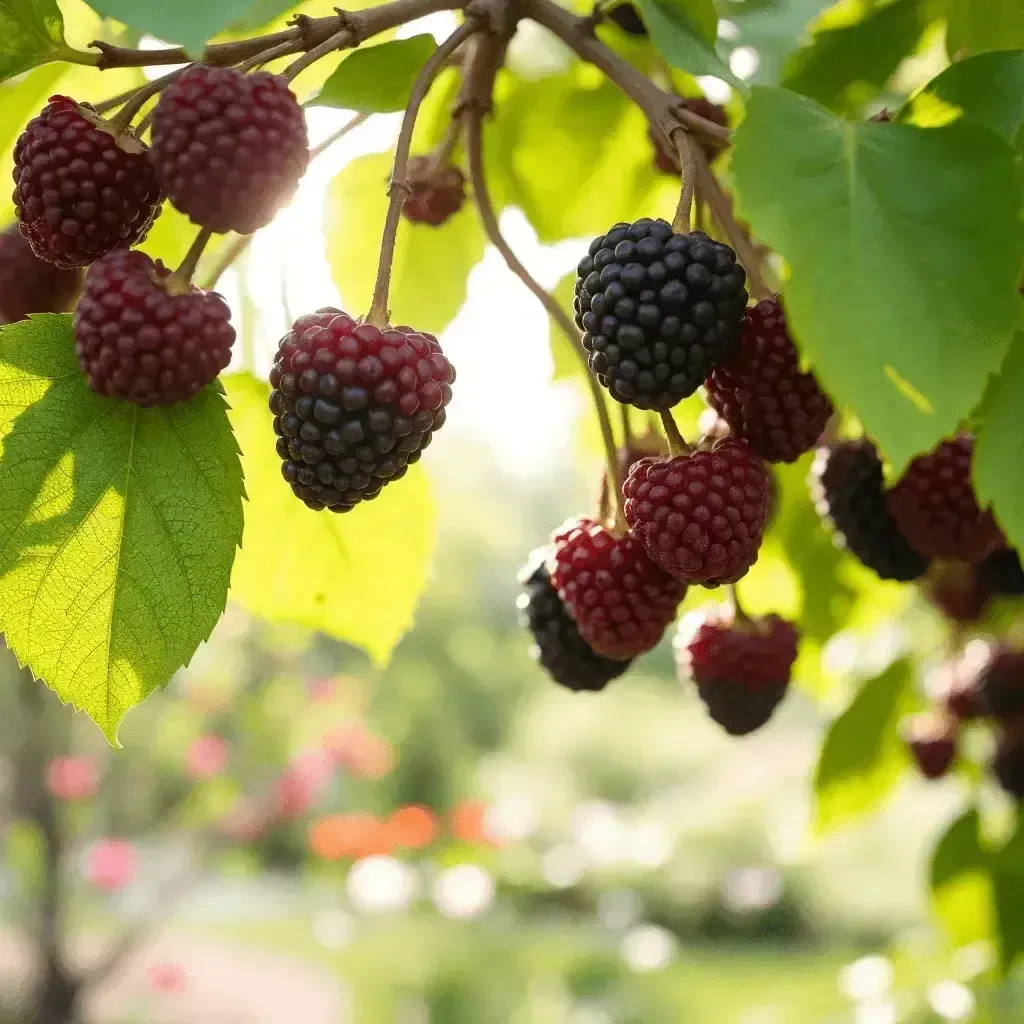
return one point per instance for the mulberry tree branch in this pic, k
(306, 34)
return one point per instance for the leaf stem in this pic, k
(399, 188)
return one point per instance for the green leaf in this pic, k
(961, 883)
(355, 576)
(377, 79)
(988, 89)
(31, 33)
(431, 265)
(999, 449)
(569, 182)
(260, 14)
(190, 23)
(119, 524)
(1008, 875)
(683, 32)
(979, 25)
(904, 247)
(774, 28)
(862, 55)
(863, 755)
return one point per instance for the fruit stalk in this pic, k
(474, 144)
(721, 207)
(681, 223)
(399, 189)
(676, 442)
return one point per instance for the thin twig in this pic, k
(685, 146)
(285, 49)
(721, 207)
(331, 139)
(345, 37)
(661, 107)
(399, 188)
(482, 196)
(442, 155)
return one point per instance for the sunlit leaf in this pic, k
(988, 89)
(961, 883)
(774, 28)
(567, 364)
(571, 182)
(356, 576)
(31, 33)
(431, 265)
(863, 54)
(189, 23)
(979, 25)
(377, 79)
(863, 755)
(1008, 874)
(684, 33)
(120, 526)
(904, 247)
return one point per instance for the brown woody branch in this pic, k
(306, 34)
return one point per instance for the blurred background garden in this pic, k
(297, 831)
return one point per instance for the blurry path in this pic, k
(218, 983)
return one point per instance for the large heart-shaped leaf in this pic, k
(118, 524)
(904, 247)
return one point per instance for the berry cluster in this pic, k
(931, 513)
(353, 404)
(984, 685)
(662, 313)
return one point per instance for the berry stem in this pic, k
(681, 223)
(183, 275)
(399, 188)
(116, 101)
(473, 115)
(721, 207)
(676, 442)
(739, 613)
(122, 122)
(627, 426)
(442, 155)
